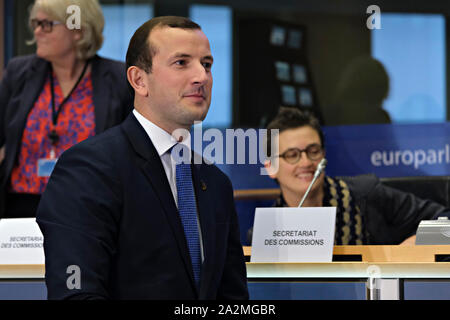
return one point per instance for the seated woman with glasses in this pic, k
(368, 212)
(55, 98)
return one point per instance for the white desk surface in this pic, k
(437, 270)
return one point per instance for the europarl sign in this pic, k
(389, 150)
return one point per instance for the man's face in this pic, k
(180, 82)
(294, 179)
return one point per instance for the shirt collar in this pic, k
(160, 138)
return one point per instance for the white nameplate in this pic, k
(293, 234)
(21, 242)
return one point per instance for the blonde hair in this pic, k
(92, 22)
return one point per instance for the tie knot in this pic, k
(181, 154)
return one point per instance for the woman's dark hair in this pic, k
(292, 118)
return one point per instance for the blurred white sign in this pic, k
(21, 242)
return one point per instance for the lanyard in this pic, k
(53, 136)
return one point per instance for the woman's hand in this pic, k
(411, 241)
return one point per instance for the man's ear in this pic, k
(136, 78)
(271, 170)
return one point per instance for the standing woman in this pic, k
(52, 100)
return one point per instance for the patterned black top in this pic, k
(349, 221)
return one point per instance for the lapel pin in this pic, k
(203, 185)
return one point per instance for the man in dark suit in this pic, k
(120, 218)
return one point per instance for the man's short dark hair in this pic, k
(141, 51)
(292, 118)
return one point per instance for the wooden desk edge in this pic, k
(10, 271)
(256, 194)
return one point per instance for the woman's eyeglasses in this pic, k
(46, 25)
(313, 152)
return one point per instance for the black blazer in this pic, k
(22, 84)
(390, 215)
(108, 208)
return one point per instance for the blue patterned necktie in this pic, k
(188, 212)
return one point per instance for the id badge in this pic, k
(45, 167)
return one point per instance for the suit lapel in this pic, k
(205, 205)
(153, 169)
(101, 93)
